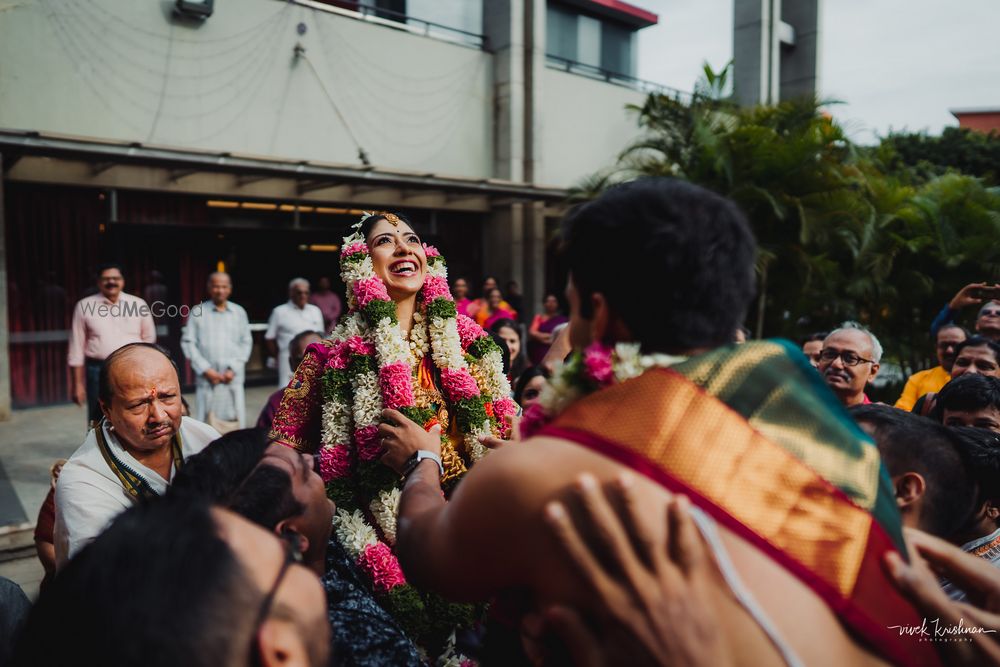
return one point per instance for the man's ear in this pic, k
(104, 410)
(288, 529)
(874, 372)
(600, 321)
(281, 645)
(910, 488)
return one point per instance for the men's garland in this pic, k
(597, 367)
(372, 366)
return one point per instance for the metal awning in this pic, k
(54, 159)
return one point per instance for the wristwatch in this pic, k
(421, 455)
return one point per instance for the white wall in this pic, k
(584, 126)
(124, 70)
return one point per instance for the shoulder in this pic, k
(196, 435)
(237, 308)
(125, 296)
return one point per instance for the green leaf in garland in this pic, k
(360, 364)
(471, 412)
(405, 605)
(419, 416)
(377, 310)
(353, 258)
(341, 492)
(446, 616)
(441, 308)
(480, 347)
(336, 386)
(372, 477)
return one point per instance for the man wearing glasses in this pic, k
(849, 361)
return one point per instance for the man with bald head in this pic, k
(218, 342)
(132, 453)
(849, 361)
(287, 321)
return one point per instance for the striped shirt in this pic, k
(217, 339)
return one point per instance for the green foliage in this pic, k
(884, 235)
(442, 309)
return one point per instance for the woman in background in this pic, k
(540, 331)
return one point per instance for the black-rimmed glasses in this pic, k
(292, 556)
(849, 358)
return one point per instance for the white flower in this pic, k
(353, 532)
(385, 508)
(390, 348)
(352, 272)
(335, 423)
(439, 269)
(625, 361)
(446, 346)
(367, 400)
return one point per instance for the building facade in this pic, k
(251, 137)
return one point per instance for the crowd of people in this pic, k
(638, 483)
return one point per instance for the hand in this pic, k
(401, 437)
(228, 376)
(654, 604)
(496, 443)
(80, 394)
(917, 582)
(558, 350)
(967, 296)
(979, 578)
(212, 376)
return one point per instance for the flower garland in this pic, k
(597, 367)
(371, 366)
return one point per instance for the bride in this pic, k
(402, 347)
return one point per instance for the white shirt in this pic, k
(286, 322)
(89, 495)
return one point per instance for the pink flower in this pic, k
(353, 248)
(458, 384)
(358, 345)
(338, 357)
(504, 407)
(334, 462)
(431, 251)
(467, 663)
(597, 364)
(369, 289)
(367, 442)
(436, 287)
(533, 421)
(468, 331)
(378, 561)
(396, 382)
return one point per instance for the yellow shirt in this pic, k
(922, 383)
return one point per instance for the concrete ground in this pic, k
(29, 443)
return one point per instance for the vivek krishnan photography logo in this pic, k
(934, 630)
(138, 309)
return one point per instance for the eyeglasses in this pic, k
(849, 358)
(292, 556)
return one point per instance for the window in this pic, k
(616, 48)
(560, 33)
(595, 43)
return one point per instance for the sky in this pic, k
(893, 64)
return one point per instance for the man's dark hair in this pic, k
(979, 341)
(673, 260)
(228, 473)
(982, 450)
(818, 335)
(101, 268)
(158, 588)
(911, 443)
(104, 391)
(951, 325)
(967, 393)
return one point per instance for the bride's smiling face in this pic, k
(398, 258)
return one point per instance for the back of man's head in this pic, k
(909, 443)
(967, 393)
(227, 473)
(675, 262)
(981, 448)
(159, 587)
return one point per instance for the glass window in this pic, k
(560, 33)
(616, 49)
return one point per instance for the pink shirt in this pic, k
(101, 327)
